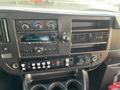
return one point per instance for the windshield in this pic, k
(108, 5)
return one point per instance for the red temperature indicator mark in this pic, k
(39, 25)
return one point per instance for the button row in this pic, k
(35, 66)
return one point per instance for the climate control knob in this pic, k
(25, 26)
(39, 50)
(51, 26)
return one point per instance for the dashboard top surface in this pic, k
(56, 11)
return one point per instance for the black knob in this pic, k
(51, 26)
(25, 26)
(39, 50)
(64, 37)
(39, 25)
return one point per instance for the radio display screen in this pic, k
(35, 38)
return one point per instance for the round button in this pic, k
(51, 26)
(15, 65)
(94, 58)
(65, 38)
(39, 50)
(38, 25)
(5, 48)
(25, 26)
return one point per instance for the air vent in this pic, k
(89, 24)
(4, 37)
(90, 34)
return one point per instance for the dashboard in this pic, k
(37, 41)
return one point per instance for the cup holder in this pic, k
(57, 86)
(38, 87)
(74, 85)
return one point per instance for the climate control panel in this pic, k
(36, 25)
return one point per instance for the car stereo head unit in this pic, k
(39, 38)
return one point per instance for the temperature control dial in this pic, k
(25, 26)
(39, 25)
(52, 25)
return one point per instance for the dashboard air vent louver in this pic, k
(4, 37)
(89, 24)
(90, 34)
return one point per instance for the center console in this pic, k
(43, 45)
(38, 45)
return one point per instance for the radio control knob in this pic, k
(39, 50)
(65, 38)
(25, 26)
